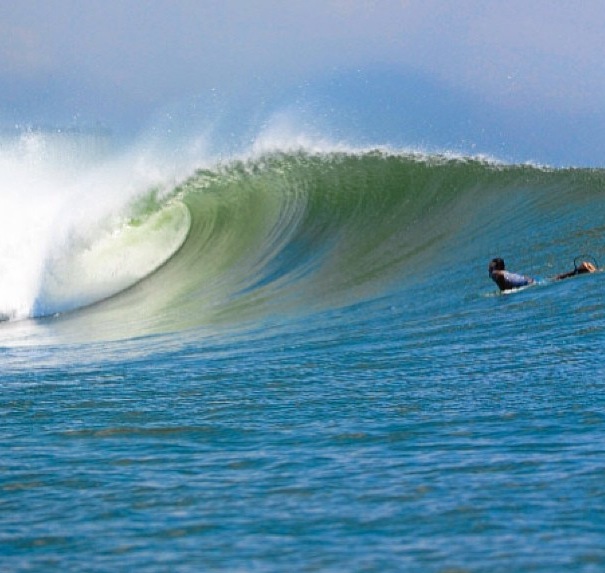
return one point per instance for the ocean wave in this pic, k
(287, 233)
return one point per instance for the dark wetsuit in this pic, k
(507, 281)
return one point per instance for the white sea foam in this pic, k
(61, 196)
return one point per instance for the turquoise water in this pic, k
(316, 375)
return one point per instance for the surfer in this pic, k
(507, 280)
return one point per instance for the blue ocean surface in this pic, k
(294, 360)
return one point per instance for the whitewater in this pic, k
(292, 357)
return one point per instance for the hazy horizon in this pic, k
(521, 79)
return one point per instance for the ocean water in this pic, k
(293, 359)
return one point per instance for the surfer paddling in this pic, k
(508, 281)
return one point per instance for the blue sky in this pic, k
(521, 79)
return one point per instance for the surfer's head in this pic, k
(496, 265)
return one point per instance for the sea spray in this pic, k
(64, 201)
(33, 189)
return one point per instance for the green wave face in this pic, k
(292, 234)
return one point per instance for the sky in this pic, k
(523, 78)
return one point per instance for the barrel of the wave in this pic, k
(87, 269)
